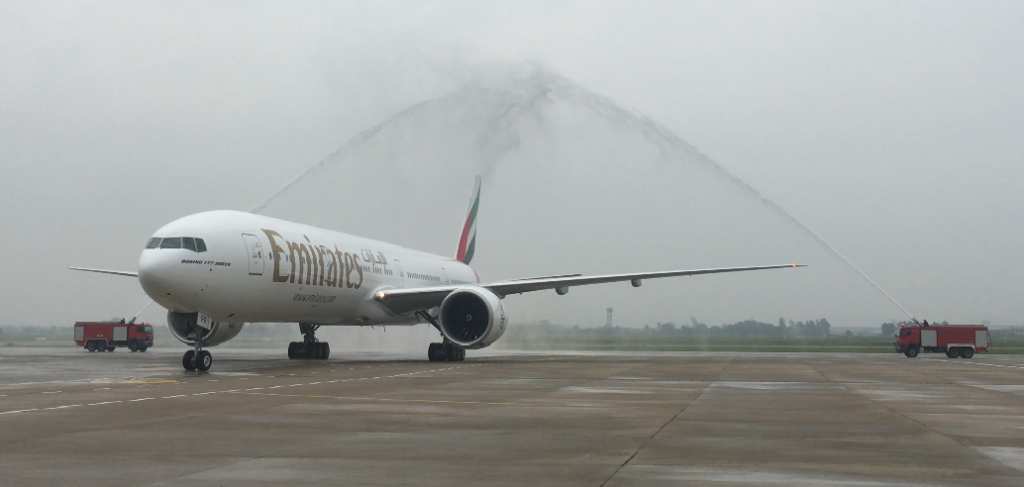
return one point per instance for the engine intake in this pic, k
(184, 324)
(472, 317)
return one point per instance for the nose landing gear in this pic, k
(197, 358)
(310, 347)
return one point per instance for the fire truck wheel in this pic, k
(966, 352)
(143, 348)
(952, 353)
(111, 349)
(90, 346)
(911, 352)
(186, 360)
(204, 361)
(133, 345)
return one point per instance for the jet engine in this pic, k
(184, 324)
(472, 317)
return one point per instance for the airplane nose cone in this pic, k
(155, 274)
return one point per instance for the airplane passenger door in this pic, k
(255, 250)
(399, 272)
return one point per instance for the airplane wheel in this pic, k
(204, 361)
(292, 351)
(435, 352)
(187, 360)
(325, 352)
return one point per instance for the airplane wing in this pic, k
(403, 301)
(104, 271)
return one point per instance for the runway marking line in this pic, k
(972, 363)
(439, 401)
(237, 391)
(19, 411)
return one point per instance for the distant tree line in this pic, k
(747, 328)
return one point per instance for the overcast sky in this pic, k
(896, 130)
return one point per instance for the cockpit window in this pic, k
(200, 245)
(153, 243)
(188, 243)
(171, 243)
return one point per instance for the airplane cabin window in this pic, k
(153, 243)
(189, 243)
(171, 243)
(200, 245)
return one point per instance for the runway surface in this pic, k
(68, 417)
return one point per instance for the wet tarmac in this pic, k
(69, 418)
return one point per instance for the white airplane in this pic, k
(217, 270)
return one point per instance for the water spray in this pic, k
(526, 96)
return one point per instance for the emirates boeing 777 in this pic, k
(217, 270)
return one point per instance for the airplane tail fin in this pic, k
(467, 240)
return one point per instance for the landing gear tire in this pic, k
(204, 361)
(445, 352)
(952, 353)
(133, 345)
(911, 352)
(435, 352)
(310, 347)
(966, 352)
(188, 360)
(454, 354)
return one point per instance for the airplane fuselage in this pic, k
(260, 269)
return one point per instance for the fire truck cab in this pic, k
(953, 340)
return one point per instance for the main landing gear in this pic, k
(310, 347)
(197, 358)
(445, 351)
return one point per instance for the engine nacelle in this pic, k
(183, 324)
(472, 317)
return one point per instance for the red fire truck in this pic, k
(953, 340)
(108, 335)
